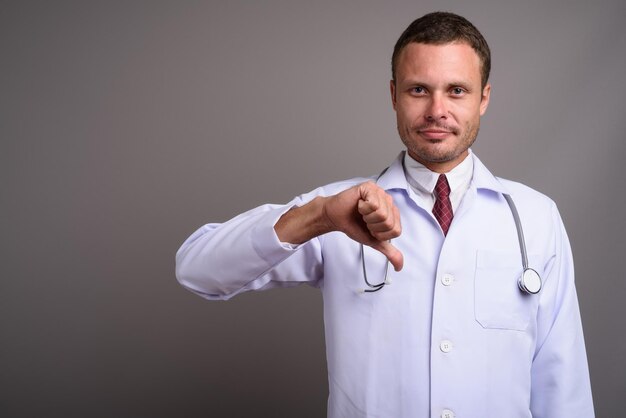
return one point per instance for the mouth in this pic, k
(434, 134)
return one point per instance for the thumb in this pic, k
(394, 255)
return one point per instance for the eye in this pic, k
(457, 91)
(418, 90)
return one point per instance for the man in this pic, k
(453, 335)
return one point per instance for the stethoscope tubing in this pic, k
(529, 282)
(520, 231)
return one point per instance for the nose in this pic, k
(437, 108)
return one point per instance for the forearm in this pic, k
(303, 223)
(219, 260)
(364, 212)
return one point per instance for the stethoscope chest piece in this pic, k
(529, 282)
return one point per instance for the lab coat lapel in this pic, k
(483, 183)
(394, 178)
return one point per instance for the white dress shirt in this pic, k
(452, 336)
(422, 180)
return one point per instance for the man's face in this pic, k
(438, 101)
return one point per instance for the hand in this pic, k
(367, 214)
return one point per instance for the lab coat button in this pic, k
(447, 279)
(445, 346)
(446, 413)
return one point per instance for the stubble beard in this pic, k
(428, 151)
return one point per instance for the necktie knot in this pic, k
(443, 207)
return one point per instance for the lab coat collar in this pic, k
(394, 177)
(483, 179)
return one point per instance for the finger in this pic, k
(398, 222)
(386, 236)
(384, 226)
(381, 215)
(394, 255)
(388, 228)
(379, 210)
(367, 206)
(372, 198)
(383, 218)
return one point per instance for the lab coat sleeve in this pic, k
(560, 377)
(219, 261)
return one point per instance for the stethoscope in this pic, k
(529, 282)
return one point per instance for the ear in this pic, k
(392, 89)
(484, 99)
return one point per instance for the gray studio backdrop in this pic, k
(124, 126)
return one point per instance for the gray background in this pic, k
(124, 126)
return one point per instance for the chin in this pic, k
(437, 156)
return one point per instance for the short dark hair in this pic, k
(439, 28)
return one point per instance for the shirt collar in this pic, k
(394, 177)
(419, 176)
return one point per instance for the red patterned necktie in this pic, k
(443, 208)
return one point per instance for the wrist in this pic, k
(303, 223)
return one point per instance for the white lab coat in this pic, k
(452, 336)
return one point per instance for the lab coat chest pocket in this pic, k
(498, 301)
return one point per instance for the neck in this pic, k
(440, 167)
